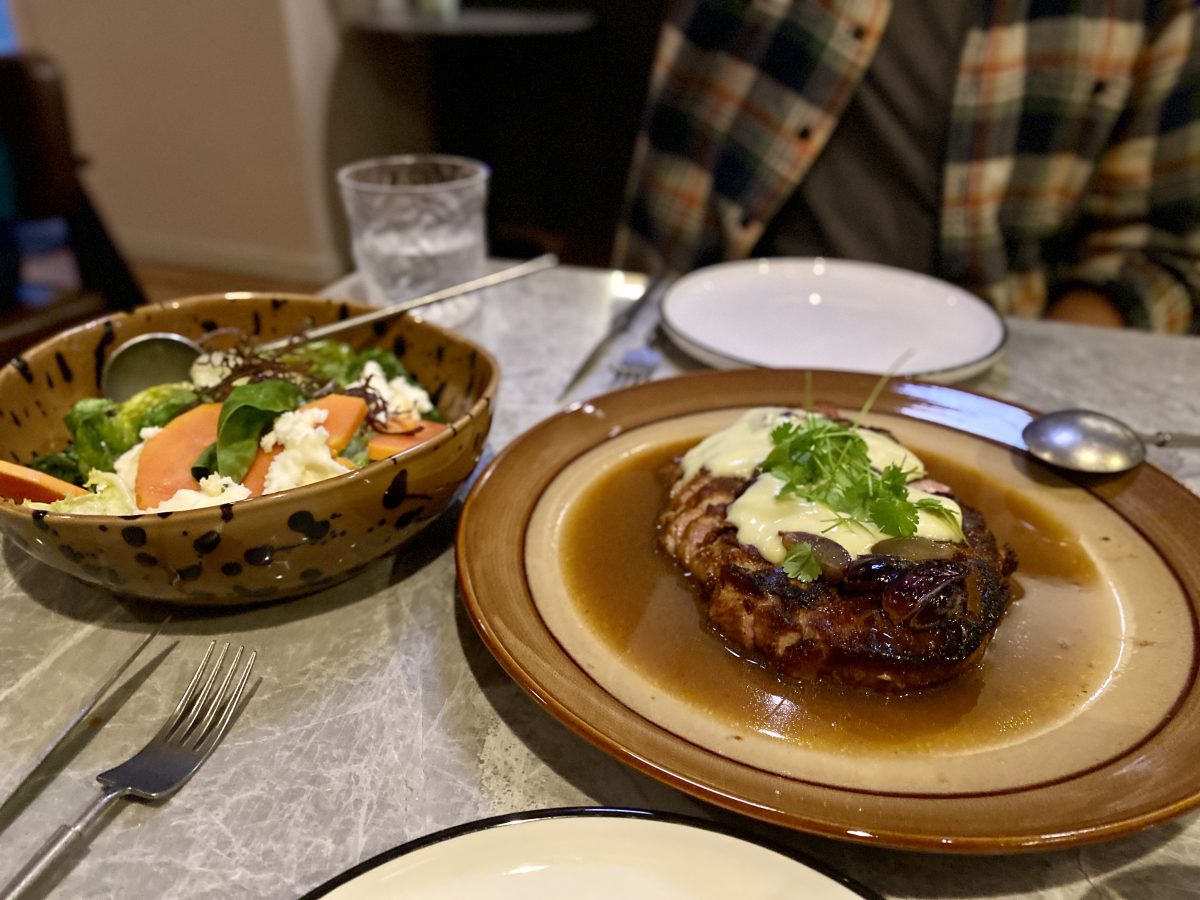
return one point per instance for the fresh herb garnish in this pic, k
(825, 461)
(801, 563)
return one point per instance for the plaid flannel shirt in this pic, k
(1072, 158)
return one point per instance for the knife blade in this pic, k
(620, 323)
(90, 704)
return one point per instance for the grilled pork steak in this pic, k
(883, 621)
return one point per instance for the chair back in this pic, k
(39, 179)
(36, 134)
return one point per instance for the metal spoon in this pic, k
(163, 357)
(1085, 441)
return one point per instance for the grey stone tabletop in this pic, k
(378, 715)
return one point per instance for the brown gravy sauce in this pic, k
(1041, 665)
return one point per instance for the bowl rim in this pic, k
(485, 399)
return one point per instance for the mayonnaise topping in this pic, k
(760, 515)
(737, 450)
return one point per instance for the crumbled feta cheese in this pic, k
(290, 427)
(211, 369)
(305, 456)
(126, 465)
(214, 490)
(403, 399)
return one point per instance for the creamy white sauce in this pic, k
(737, 450)
(760, 515)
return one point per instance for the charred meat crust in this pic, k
(891, 623)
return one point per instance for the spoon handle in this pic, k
(1172, 439)
(537, 264)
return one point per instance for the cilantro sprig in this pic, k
(801, 563)
(825, 461)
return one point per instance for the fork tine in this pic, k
(209, 741)
(185, 699)
(214, 705)
(636, 366)
(197, 709)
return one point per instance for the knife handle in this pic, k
(63, 837)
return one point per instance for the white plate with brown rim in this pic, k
(1080, 724)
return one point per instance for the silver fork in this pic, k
(159, 769)
(636, 366)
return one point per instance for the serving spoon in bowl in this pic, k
(162, 357)
(1082, 440)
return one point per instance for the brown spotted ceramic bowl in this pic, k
(267, 548)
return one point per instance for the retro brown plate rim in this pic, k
(1149, 781)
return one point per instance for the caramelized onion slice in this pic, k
(915, 548)
(868, 574)
(908, 595)
(830, 555)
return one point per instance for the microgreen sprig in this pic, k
(825, 461)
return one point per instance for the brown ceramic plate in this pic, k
(1082, 722)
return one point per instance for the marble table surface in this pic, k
(380, 716)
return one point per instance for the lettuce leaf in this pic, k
(340, 364)
(109, 496)
(102, 430)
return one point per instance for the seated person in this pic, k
(1046, 160)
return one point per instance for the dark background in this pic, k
(555, 116)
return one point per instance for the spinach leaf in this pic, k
(62, 465)
(247, 412)
(206, 462)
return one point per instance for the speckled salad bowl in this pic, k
(264, 549)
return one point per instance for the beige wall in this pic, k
(207, 124)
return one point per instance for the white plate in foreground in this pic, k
(582, 854)
(801, 313)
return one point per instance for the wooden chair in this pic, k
(36, 135)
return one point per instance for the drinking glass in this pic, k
(417, 224)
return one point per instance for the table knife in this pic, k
(654, 288)
(84, 710)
